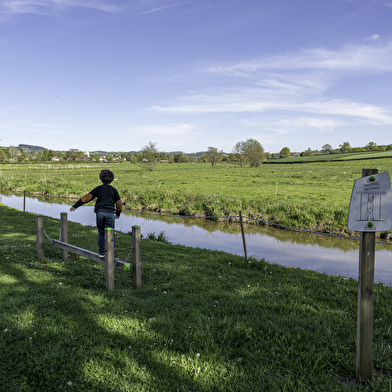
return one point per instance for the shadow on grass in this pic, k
(203, 321)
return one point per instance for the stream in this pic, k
(290, 248)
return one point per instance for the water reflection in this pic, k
(332, 255)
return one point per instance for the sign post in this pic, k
(370, 211)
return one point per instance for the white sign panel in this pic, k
(371, 204)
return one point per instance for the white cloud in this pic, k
(254, 100)
(160, 8)
(50, 6)
(289, 124)
(292, 85)
(365, 58)
(373, 37)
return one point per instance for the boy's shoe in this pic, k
(102, 256)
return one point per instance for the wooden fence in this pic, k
(108, 260)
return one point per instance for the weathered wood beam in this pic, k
(88, 254)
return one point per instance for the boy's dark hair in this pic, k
(106, 176)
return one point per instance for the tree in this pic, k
(213, 155)
(326, 148)
(74, 154)
(178, 158)
(345, 147)
(46, 155)
(239, 155)
(149, 155)
(254, 152)
(22, 157)
(285, 153)
(372, 146)
(249, 151)
(14, 152)
(233, 158)
(203, 158)
(307, 152)
(3, 155)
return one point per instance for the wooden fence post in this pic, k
(64, 233)
(109, 258)
(40, 237)
(365, 301)
(136, 258)
(243, 237)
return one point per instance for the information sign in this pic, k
(371, 204)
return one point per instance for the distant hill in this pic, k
(30, 148)
(194, 154)
(35, 149)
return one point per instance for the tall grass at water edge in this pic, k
(203, 321)
(312, 195)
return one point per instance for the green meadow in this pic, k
(312, 195)
(203, 320)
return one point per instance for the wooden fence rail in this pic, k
(108, 260)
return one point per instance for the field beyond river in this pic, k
(313, 195)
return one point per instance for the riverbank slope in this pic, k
(312, 196)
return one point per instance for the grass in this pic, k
(312, 195)
(203, 321)
(335, 157)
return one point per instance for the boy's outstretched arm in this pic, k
(83, 200)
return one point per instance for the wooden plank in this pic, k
(89, 255)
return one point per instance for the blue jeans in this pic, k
(104, 220)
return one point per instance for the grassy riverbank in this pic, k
(203, 321)
(311, 195)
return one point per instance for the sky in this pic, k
(114, 75)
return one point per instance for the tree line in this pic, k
(249, 152)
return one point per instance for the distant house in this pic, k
(295, 155)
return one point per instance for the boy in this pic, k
(107, 207)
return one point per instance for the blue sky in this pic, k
(187, 75)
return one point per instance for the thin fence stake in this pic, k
(243, 237)
(64, 234)
(136, 258)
